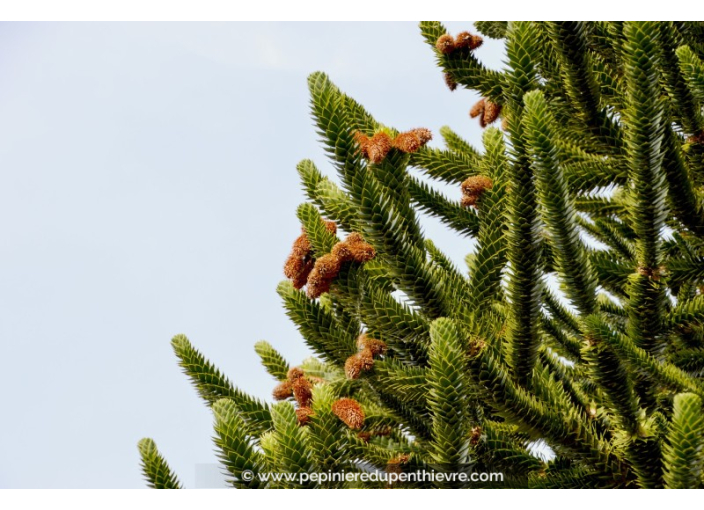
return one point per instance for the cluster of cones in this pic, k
(473, 188)
(327, 267)
(300, 387)
(376, 147)
(300, 262)
(364, 359)
(487, 112)
(447, 44)
(303, 269)
(464, 40)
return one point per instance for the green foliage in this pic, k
(274, 363)
(579, 326)
(683, 454)
(447, 396)
(156, 470)
(235, 447)
(213, 386)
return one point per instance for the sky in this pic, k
(148, 188)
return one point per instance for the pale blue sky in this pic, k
(148, 188)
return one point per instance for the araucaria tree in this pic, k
(570, 353)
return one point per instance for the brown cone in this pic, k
(303, 392)
(358, 363)
(298, 264)
(450, 82)
(463, 40)
(424, 134)
(303, 414)
(294, 373)
(363, 142)
(327, 266)
(477, 109)
(412, 140)
(476, 435)
(353, 367)
(394, 465)
(342, 251)
(378, 147)
(365, 436)
(407, 142)
(473, 188)
(377, 347)
(476, 185)
(475, 42)
(491, 112)
(350, 412)
(283, 390)
(317, 288)
(354, 237)
(361, 252)
(445, 44)
(300, 279)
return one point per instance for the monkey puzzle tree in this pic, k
(595, 177)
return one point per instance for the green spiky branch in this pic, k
(579, 322)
